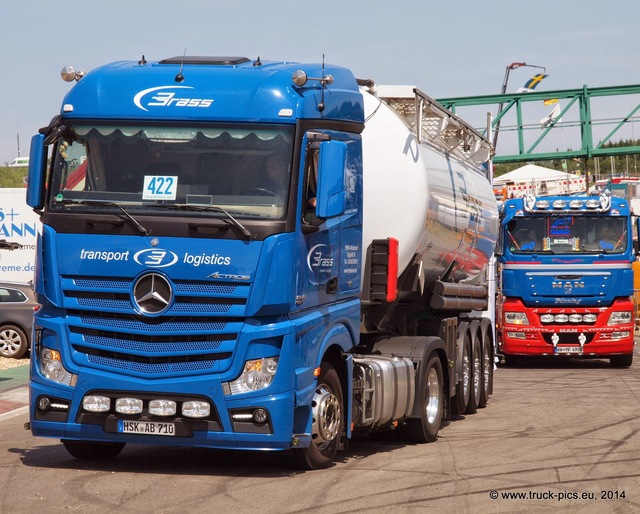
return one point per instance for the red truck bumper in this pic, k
(576, 339)
(535, 344)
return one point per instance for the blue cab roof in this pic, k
(213, 89)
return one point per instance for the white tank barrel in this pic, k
(439, 206)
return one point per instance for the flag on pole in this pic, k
(550, 101)
(551, 118)
(532, 83)
(535, 80)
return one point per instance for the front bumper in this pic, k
(566, 340)
(220, 430)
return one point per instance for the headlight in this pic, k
(620, 318)
(257, 374)
(196, 409)
(516, 318)
(129, 406)
(620, 335)
(51, 367)
(162, 408)
(96, 403)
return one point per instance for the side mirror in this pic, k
(331, 193)
(499, 248)
(36, 175)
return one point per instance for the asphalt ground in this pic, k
(14, 391)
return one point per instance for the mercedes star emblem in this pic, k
(152, 294)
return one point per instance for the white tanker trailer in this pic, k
(424, 187)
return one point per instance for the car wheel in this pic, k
(13, 342)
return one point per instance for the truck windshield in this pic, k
(567, 234)
(246, 171)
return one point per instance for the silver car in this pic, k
(17, 305)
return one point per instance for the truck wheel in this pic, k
(326, 429)
(13, 342)
(430, 397)
(621, 361)
(476, 380)
(487, 372)
(463, 387)
(92, 450)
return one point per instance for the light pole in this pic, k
(510, 67)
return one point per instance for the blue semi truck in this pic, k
(566, 278)
(256, 255)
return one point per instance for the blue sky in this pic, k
(457, 48)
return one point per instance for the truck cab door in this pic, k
(330, 219)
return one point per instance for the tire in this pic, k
(621, 361)
(430, 396)
(13, 342)
(92, 450)
(476, 380)
(463, 387)
(487, 371)
(328, 422)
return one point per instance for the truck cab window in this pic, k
(566, 234)
(310, 186)
(246, 172)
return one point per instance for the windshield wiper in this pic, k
(135, 222)
(203, 208)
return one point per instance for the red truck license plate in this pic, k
(568, 349)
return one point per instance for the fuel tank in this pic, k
(438, 205)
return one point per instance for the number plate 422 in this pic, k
(159, 187)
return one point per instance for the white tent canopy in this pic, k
(532, 173)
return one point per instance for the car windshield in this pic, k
(246, 171)
(567, 234)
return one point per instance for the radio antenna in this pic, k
(322, 82)
(179, 77)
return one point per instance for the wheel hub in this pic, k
(326, 417)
